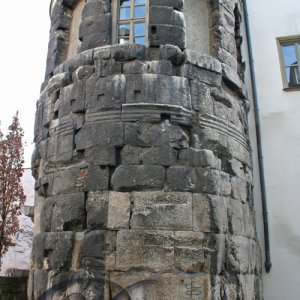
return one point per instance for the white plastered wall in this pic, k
(280, 127)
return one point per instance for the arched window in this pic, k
(131, 23)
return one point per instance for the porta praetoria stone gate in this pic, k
(142, 161)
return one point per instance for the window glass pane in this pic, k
(139, 11)
(124, 2)
(292, 76)
(123, 41)
(124, 29)
(136, 2)
(289, 55)
(124, 13)
(139, 40)
(139, 29)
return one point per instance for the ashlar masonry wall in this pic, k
(142, 163)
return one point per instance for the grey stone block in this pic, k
(167, 34)
(203, 61)
(101, 155)
(161, 211)
(97, 178)
(95, 8)
(110, 134)
(181, 178)
(69, 213)
(203, 75)
(97, 210)
(107, 67)
(172, 53)
(207, 181)
(164, 156)
(38, 245)
(131, 155)
(177, 4)
(199, 158)
(132, 177)
(162, 67)
(164, 134)
(58, 246)
(95, 246)
(149, 250)
(128, 52)
(106, 93)
(166, 15)
(210, 213)
(98, 39)
(135, 67)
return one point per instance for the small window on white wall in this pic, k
(131, 23)
(289, 53)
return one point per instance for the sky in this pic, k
(24, 31)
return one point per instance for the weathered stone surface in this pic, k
(136, 177)
(94, 248)
(142, 163)
(163, 211)
(164, 156)
(118, 211)
(97, 178)
(69, 213)
(162, 286)
(209, 213)
(149, 250)
(97, 209)
(58, 247)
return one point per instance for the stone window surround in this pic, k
(115, 23)
(282, 41)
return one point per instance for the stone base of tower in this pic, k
(144, 179)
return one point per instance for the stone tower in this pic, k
(142, 161)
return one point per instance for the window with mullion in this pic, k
(290, 61)
(131, 21)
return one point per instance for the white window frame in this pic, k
(282, 41)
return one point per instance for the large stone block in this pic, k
(101, 155)
(199, 158)
(167, 34)
(149, 250)
(69, 213)
(153, 88)
(106, 92)
(99, 134)
(108, 210)
(146, 285)
(58, 247)
(148, 135)
(166, 15)
(164, 156)
(97, 178)
(132, 177)
(210, 213)
(118, 211)
(191, 254)
(97, 210)
(95, 246)
(160, 210)
(177, 4)
(181, 178)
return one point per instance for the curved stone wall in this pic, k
(144, 178)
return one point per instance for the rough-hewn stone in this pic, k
(142, 162)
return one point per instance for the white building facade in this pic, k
(275, 37)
